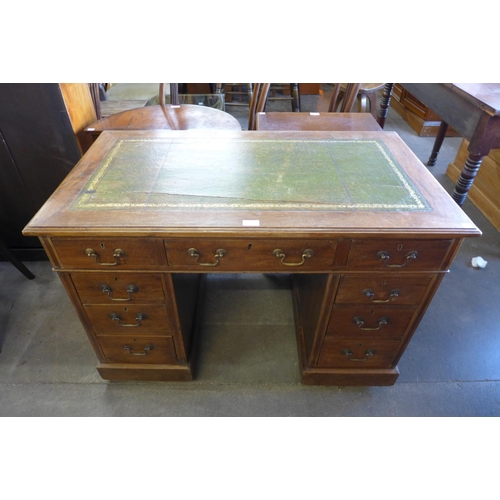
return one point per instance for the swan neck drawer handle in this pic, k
(382, 255)
(147, 347)
(117, 254)
(139, 317)
(130, 290)
(360, 322)
(306, 254)
(219, 254)
(369, 293)
(368, 354)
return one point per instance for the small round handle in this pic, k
(306, 254)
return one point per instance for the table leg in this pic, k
(15, 261)
(294, 88)
(437, 144)
(384, 104)
(466, 178)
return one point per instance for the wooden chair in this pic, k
(366, 97)
(258, 102)
(5, 251)
(166, 117)
(344, 94)
(230, 94)
(346, 102)
(288, 92)
(174, 94)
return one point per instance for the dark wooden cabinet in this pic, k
(38, 147)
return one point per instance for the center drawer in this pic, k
(251, 255)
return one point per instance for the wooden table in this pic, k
(167, 117)
(316, 121)
(473, 110)
(364, 229)
(110, 107)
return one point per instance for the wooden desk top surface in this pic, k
(316, 121)
(232, 183)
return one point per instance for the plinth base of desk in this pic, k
(172, 373)
(344, 377)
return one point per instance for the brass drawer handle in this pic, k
(306, 254)
(117, 254)
(147, 347)
(368, 354)
(219, 254)
(385, 256)
(369, 293)
(360, 322)
(130, 290)
(139, 317)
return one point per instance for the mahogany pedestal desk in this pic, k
(365, 231)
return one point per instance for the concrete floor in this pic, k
(247, 362)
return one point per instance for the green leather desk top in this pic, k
(233, 183)
(243, 174)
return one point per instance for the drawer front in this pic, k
(136, 318)
(362, 322)
(398, 255)
(118, 288)
(246, 255)
(383, 289)
(106, 253)
(130, 349)
(352, 354)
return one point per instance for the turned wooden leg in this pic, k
(384, 104)
(466, 178)
(294, 89)
(437, 144)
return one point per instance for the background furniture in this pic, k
(41, 139)
(316, 121)
(366, 97)
(473, 109)
(167, 117)
(131, 246)
(421, 118)
(485, 192)
(5, 251)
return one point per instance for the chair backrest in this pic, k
(174, 94)
(258, 102)
(349, 97)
